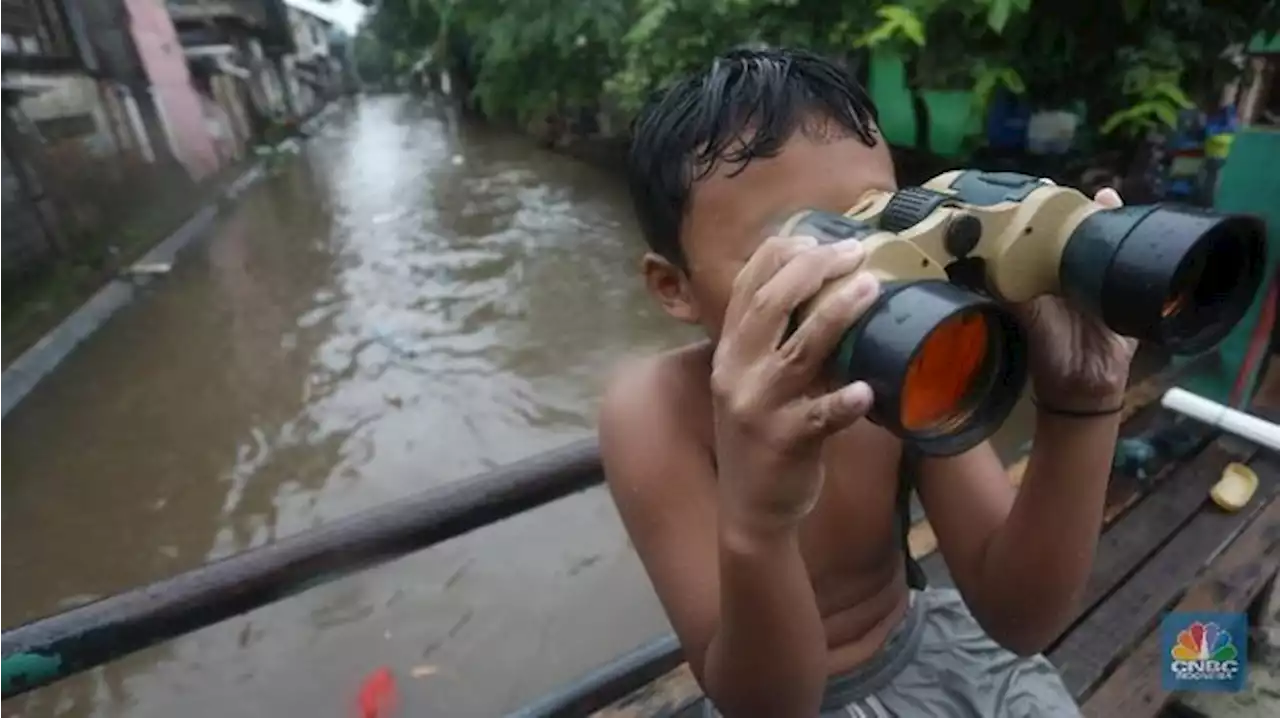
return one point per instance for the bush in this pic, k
(1135, 62)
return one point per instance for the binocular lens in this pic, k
(1177, 277)
(939, 394)
(1214, 284)
(946, 365)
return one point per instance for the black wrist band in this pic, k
(1077, 413)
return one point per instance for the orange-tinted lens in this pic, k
(939, 383)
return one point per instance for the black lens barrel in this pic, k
(1125, 265)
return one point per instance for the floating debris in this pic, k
(377, 698)
(150, 268)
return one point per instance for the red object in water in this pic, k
(377, 697)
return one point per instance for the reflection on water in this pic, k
(408, 302)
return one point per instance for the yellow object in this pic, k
(1235, 488)
(1219, 146)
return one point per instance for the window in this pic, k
(64, 128)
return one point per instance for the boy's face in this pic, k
(728, 217)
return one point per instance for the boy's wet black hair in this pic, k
(687, 130)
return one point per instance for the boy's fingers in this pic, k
(768, 258)
(762, 326)
(803, 353)
(825, 415)
(1108, 197)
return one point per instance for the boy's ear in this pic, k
(670, 286)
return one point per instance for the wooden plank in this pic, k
(1125, 490)
(1125, 545)
(1086, 653)
(664, 697)
(1229, 584)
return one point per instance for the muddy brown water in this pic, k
(406, 302)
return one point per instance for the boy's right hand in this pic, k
(772, 406)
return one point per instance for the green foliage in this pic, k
(896, 21)
(542, 56)
(1135, 62)
(989, 78)
(1157, 98)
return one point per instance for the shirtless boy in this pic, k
(761, 503)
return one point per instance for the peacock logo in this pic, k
(1204, 651)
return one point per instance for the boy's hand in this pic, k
(1076, 361)
(772, 410)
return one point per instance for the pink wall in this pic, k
(166, 67)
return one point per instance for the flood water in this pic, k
(406, 302)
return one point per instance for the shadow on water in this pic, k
(407, 302)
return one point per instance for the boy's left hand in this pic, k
(1076, 362)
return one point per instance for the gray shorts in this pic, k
(939, 662)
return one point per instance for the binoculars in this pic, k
(944, 356)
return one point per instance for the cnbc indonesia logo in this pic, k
(1204, 652)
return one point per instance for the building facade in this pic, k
(109, 104)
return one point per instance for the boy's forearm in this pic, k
(769, 655)
(1037, 564)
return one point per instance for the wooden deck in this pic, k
(1165, 547)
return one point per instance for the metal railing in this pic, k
(50, 649)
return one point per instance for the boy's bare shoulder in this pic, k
(658, 405)
(675, 381)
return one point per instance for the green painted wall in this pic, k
(1263, 44)
(1249, 184)
(950, 112)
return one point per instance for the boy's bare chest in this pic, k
(851, 538)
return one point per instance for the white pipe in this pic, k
(1245, 426)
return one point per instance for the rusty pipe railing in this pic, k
(608, 683)
(50, 649)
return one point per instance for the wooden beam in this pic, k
(1129, 543)
(663, 697)
(1089, 651)
(1229, 583)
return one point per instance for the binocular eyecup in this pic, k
(1177, 277)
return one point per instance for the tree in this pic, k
(1134, 62)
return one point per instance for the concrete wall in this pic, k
(310, 34)
(176, 98)
(24, 240)
(68, 107)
